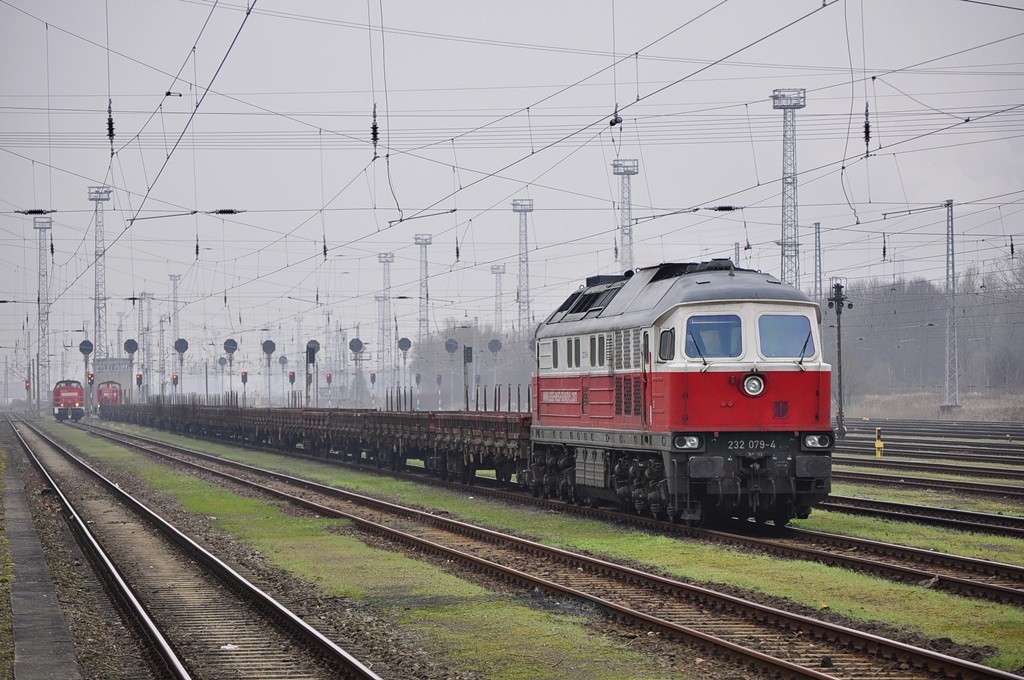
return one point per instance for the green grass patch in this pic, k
(473, 627)
(933, 614)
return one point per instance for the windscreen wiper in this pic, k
(697, 347)
(803, 352)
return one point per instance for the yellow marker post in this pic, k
(879, 444)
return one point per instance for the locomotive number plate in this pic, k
(750, 444)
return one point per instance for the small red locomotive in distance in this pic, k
(108, 394)
(68, 400)
(691, 391)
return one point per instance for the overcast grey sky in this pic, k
(479, 103)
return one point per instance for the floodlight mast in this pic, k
(424, 240)
(789, 100)
(626, 168)
(523, 206)
(99, 195)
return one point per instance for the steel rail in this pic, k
(351, 666)
(106, 570)
(920, 658)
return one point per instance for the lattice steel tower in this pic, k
(175, 278)
(523, 206)
(42, 224)
(952, 360)
(424, 240)
(99, 195)
(385, 351)
(819, 293)
(499, 271)
(626, 168)
(789, 100)
(147, 347)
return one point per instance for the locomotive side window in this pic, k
(593, 351)
(576, 352)
(600, 350)
(554, 354)
(713, 335)
(667, 345)
(785, 336)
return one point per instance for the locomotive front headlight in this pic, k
(753, 385)
(687, 441)
(817, 441)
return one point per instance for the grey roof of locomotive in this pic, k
(610, 303)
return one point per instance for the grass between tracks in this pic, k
(495, 635)
(930, 613)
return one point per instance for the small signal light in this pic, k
(245, 377)
(28, 384)
(373, 378)
(418, 378)
(291, 377)
(438, 379)
(138, 379)
(174, 379)
(90, 378)
(328, 378)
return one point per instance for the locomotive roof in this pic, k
(637, 299)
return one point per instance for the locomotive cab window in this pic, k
(787, 336)
(667, 345)
(713, 336)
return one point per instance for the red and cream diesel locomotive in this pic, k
(692, 391)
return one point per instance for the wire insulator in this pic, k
(374, 131)
(867, 129)
(110, 124)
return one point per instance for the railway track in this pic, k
(201, 618)
(1015, 493)
(986, 472)
(710, 618)
(966, 576)
(990, 431)
(1003, 525)
(964, 452)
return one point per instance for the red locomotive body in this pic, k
(68, 400)
(108, 394)
(685, 390)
